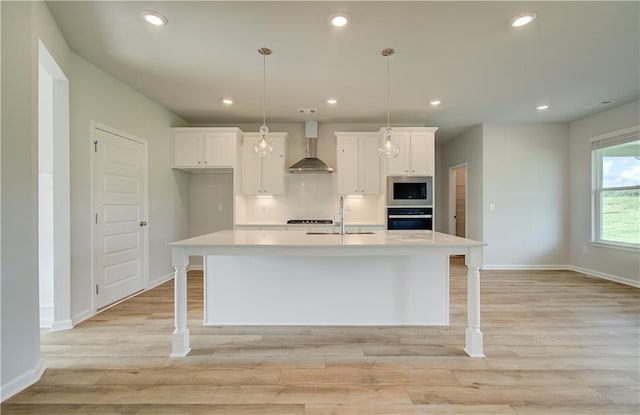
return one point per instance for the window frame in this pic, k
(600, 142)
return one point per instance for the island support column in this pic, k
(473, 335)
(180, 340)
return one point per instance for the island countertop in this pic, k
(301, 239)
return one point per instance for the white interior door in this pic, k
(120, 235)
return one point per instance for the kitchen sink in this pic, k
(337, 233)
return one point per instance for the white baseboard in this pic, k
(18, 384)
(80, 317)
(61, 325)
(526, 267)
(605, 276)
(158, 282)
(587, 272)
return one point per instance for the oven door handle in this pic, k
(409, 216)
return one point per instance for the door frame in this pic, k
(452, 198)
(95, 126)
(53, 130)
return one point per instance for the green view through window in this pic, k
(616, 187)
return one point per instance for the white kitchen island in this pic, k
(293, 278)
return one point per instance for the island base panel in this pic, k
(343, 290)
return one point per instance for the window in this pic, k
(616, 187)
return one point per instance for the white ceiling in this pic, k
(573, 55)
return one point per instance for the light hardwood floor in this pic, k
(556, 342)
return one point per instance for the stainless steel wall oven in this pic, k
(409, 218)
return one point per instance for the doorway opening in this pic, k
(54, 240)
(458, 200)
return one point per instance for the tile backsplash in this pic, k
(308, 196)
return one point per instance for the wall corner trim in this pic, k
(18, 384)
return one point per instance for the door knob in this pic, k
(143, 223)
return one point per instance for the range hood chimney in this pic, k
(310, 163)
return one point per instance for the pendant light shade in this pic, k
(263, 146)
(387, 148)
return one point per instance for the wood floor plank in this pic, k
(341, 394)
(542, 377)
(556, 343)
(408, 410)
(505, 395)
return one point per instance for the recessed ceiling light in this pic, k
(332, 101)
(542, 107)
(227, 101)
(522, 19)
(435, 102)
(339, 19)
(154, 18)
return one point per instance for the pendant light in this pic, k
(387, 148)
(263, 146)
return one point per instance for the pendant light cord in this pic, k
(388, 92)
(264, 90)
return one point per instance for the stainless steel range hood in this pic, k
(310, 163)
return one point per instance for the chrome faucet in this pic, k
(341, 213)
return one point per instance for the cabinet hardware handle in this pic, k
(143, 223)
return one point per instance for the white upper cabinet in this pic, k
(263, 175)
(358, 164)
(205, 148)
(417, 152)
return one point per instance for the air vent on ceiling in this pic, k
(307, 111)
(598, 105)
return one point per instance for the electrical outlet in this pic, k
(220, 207)
(492, 207)
(585, 250)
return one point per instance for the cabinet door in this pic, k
(187, 150)
(251, 169)
(273, 168)
(399, 166)
(369, 166)
(422, 154)
(219, 150)
(347, 163)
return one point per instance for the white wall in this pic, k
(467, 148)
(525, 174)
(94, 95)
(20, 337)
(617, 264)
(207, 193)
(97, 96)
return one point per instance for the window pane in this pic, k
(621, 165)
(621, 216)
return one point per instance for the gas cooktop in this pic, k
(310, 222)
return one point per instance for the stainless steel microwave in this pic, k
(409, 191)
